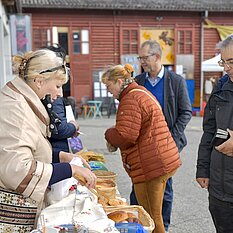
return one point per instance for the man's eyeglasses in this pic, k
(65, 68)
(229, 63)
(144, 58)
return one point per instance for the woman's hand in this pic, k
(110, 147)
(66, 157)
(84, 161)
(203, 182)
(226, 147)
(76, 126)
(84, 176)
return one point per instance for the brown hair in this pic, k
(118, 72)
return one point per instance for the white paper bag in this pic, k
(69, 114)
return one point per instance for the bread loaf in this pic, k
(116, 202)
(136, 220)
(131, 215)
(123, 216)
(118, 216)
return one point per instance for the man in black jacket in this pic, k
(215, 162)
(171, 91)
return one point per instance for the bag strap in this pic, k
(30, 103)
(152, 97)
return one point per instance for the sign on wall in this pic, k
(21, 38)
(165, 37)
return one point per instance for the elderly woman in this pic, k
(149, 153)
(25, 153)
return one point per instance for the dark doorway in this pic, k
(63, 41)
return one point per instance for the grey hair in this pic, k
(154, 47)
(225, 43)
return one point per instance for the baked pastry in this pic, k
(81, 179)
(103, 201)
(116, 202)
(91, 156)
(136, 220)
(118, 216)
(130, 215)
(132, 218)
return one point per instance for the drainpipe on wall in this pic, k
(202, 58)
(18, 6)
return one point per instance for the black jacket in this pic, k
(210, 163)
(177, 106)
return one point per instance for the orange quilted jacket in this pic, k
(147, 147)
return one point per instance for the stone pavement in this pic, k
(190, 210)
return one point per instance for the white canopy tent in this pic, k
(211, 65)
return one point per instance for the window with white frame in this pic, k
(80, 41)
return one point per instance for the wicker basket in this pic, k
(105, 175)
(108, 191)
(143, 216)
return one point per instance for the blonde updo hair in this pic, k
(118, 72)
(29, 65)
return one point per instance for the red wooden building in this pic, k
(99, 33)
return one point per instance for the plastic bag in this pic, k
(60, 189)
(79, 208)
(130, 228)
(96, 165)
